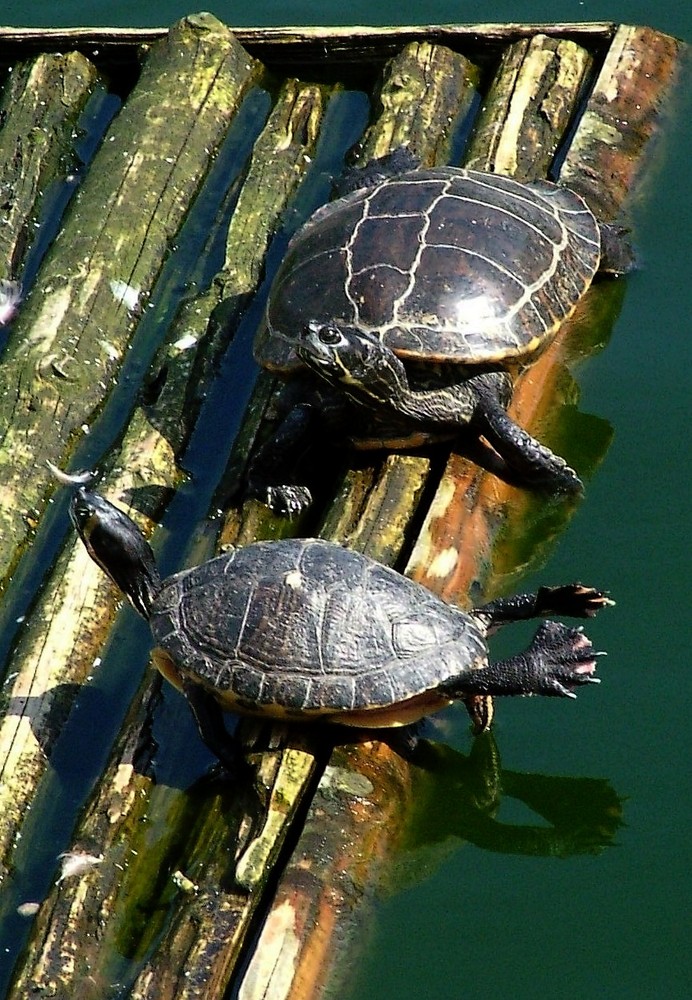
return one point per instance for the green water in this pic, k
(466, 917)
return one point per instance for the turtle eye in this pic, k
(329, 335)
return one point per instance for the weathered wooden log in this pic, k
(606, 176)
(201, 948)
(46, 657)
(281, 156)
(64, 639)
(424, 97)
(353, 828)
(622, 116)
(72, 334)
(292, 49)
(381, 526)
(39, 111)
(528, 107)
(200, 939)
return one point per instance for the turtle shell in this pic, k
(294, 627)
(446, 265)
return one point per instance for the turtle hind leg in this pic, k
(382, 168)
(532, 460)
(618, 256)
(558, 660)
(572, 599)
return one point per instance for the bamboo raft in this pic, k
(128, 158)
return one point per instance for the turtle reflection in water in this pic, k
(460, 797)
(407, 297)
(303, 629)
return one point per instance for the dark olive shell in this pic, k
(443, 265)
(308, 626)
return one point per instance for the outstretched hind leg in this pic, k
(558, 660)
(573, 600)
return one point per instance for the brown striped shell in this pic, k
(305, 626)
(446, 265)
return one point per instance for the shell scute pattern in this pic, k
(446, 264)
(306, 627)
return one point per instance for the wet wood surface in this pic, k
(214, 885)
(40, 105)
(71, 337)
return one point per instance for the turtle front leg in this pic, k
(522, 452)
(209, 718)
(558, 660)
(272, 471)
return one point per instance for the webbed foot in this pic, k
(573, 600)
(560, 659)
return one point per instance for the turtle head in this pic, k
(116, 544)
(355, 360)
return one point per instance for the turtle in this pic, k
(409, 297)
(306, 630)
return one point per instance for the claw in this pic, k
(596, 600)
